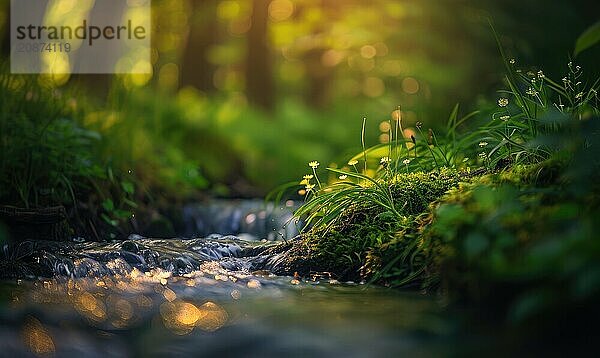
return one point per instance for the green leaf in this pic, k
(108, 205)
(355, 175)
(127, 187)
(109, 221)
(376, 151)
(122, 214)
(588, 38)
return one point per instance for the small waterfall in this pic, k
(248, 219)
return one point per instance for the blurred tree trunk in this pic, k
(319, 79)
(259, 79)
(319, 76)
(196, 71)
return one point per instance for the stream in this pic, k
(206, 295)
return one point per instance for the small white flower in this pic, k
(512, 61)
(385, 160)
(343, 176)
(532, 92)
(406, 161)
(541, 75)
(505, 117)
(503, 102)
(314, 164)
(482, 155)
(483, 144)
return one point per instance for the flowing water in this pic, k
(212, 296)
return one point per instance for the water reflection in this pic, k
(138, 313)
(151, 297)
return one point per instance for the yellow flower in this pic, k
(314, 164)
(308, 176)
(385, 160)
(503, 102)
(353, 162)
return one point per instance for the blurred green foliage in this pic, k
(44, 153)
(49, 158)
(525, 239)
(218, 114)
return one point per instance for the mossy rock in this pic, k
(343, 248)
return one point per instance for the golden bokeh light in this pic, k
(280, 10)
(37, 338)
(187, 314)
(90, 307)
(410, 85)
(253, 284)
(182, 317)
(212, 317)
(384, 126)
(368, 51)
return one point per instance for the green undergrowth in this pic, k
(500, 212)
(49, 158)
(527, 246)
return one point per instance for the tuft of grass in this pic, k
(353, 225)
(44, 153)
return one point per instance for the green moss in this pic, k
(415, 191)
(347, 246)
(366, 241)
(518, 241)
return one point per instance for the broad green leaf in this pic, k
(108, 205)
(589, 38)
(127, 187)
